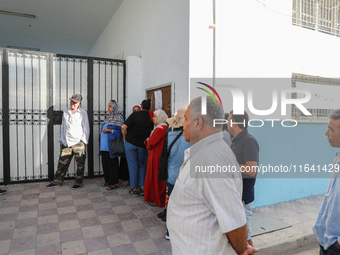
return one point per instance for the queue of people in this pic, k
(204, 215)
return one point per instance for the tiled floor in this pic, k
(92, 220)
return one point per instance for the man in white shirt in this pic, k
(75, 132)
(205, 211)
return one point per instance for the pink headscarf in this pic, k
(136, 106)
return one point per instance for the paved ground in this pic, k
(301, 214)
(93, 220)
(312, 251)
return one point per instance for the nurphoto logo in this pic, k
(238, 100)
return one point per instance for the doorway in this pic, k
(165, 92)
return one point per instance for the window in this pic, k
(319, 15)
(324, 97)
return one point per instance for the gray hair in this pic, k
(214, 111)
(335, 115)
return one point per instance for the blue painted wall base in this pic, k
(304, 144)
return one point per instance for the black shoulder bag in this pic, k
(163, 169)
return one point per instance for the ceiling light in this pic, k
(18, 14)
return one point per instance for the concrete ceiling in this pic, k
(61, 26)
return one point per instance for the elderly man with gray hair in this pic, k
(327, 226)
(74, 135)
(205, 212)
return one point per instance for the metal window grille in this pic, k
(319, 15)
(318, 115)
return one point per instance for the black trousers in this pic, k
(110, 168)
(332, 250)
(123, 169)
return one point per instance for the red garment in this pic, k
(154, 189)
(151, 116)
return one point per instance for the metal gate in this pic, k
(36, 88)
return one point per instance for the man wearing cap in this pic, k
(75, 132)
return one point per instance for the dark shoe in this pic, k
(133, 192)
(161, 214)
(51, 185)
(112, 187)
(167, 236)
(142, 192)
(163, 218)
(75, 186)
(3, 192)
(136, 193)
(152, 204)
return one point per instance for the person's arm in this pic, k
(86, 126)
(124, 128)
(250, 153)
(250, 168)
(238, 240)
(156, 137)
(114, 132)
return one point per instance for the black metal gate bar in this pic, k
(50, 131)
(5, 118)
(24, 116)
(27, 115)
(90, 161)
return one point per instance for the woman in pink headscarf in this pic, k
(136, 108)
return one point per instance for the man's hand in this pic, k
(250, 250)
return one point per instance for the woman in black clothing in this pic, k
(138, 127)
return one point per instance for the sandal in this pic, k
(152, 204)
(125, 183)
(105, 184)
(111, 187)
(132, 192)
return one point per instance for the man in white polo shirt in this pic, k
(205, 211)
(75, 132)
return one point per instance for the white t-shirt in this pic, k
(75, 127)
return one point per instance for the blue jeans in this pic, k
(135, 157)
(332, 250)
(247, 209)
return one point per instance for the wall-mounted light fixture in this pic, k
(18, 14)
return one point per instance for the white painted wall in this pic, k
(134, 87)
(257, 41)
(158, 33)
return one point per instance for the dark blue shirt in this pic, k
(246, 148)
